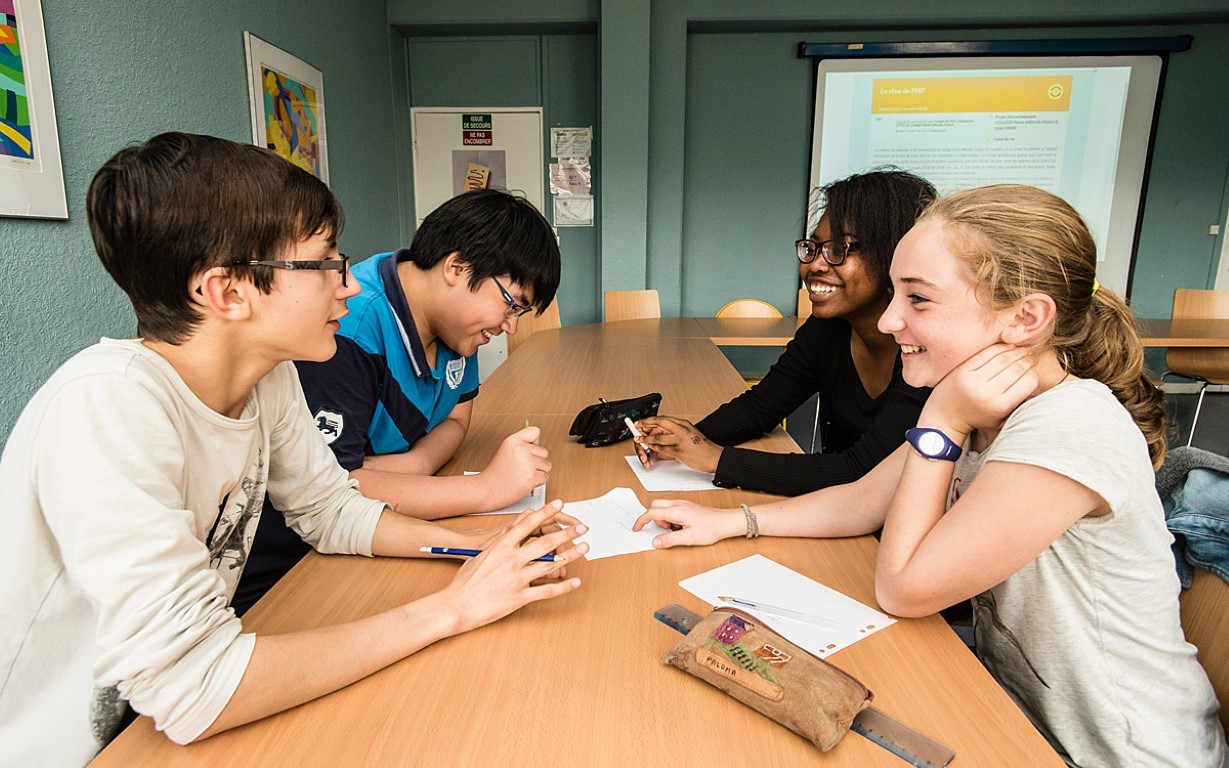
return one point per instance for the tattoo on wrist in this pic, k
(697, 439)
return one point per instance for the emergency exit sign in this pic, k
(476, 131)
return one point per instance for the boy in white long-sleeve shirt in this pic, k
(133, 481)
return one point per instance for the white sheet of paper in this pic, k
(670, 476)
(574, 211)
(610, 519)
(571, 142)
(535, 499)
(759, 579)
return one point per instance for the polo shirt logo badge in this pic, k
(454, 372)
(330, 424)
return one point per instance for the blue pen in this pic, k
(476, 552)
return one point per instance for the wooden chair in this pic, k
(632, 305)
(1209, 365)
(1205, 620)
(530, 323)
(748, 308)
(804, 303)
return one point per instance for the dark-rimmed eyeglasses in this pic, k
(833, 251)
(514, 309)
(340, 264)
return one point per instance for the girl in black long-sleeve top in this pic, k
(839, 354)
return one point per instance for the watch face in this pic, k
(930, 443)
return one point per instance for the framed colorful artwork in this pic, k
(287, 99)
(31, 177)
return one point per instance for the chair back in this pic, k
(531, 322)
(632, 305)
(804, 303)
(1205, 620)
(748, 308)
(1208, 363)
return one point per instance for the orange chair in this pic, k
(632, 305)
(804, 302)
(1207, 364)
(748, 308)
(530, 323)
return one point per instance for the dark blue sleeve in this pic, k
(342, 394)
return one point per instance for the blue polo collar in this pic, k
(395, 295)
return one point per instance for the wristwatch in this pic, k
(932, 444)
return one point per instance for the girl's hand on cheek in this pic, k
(982, 392)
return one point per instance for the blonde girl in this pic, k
(1027, 485)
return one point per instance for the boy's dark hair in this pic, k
(495, 233)
(179, 204)
(878, 208)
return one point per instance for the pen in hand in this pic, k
(646, 455)
(475, 552)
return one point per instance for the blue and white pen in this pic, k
(475, 552)
(788, 613)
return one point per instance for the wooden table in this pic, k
(722, 331)
(1164, 332)
(578, 681)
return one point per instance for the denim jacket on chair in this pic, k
(1194, 488)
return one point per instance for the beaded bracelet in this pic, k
(753, 525)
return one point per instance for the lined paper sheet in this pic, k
(535, 499)
(670, 476)
(610, 519)
(759, 579)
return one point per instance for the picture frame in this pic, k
(31, 173)
(286, 95)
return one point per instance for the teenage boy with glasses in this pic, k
(133, 480)
(394, 403)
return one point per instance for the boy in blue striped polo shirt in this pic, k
(394, 403)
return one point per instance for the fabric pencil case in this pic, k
(739, 654)
(602, 423)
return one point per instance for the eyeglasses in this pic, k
(514, 309)
(833, 251)
(340, 264)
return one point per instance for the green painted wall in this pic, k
(625, 88)
(124, 71)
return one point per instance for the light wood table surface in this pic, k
(578, 681)
(568, 370)
(722, 331)
(1163, 332)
